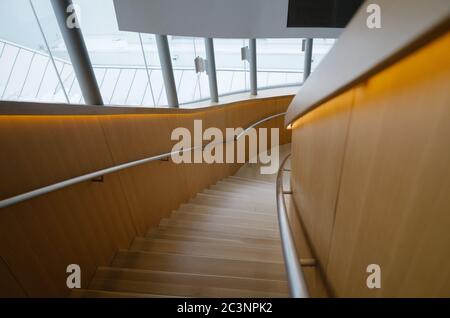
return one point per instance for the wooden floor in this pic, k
(222, 243)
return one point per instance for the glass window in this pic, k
(117, 57)
(279, 61)
(232, 71)
(126, 64)
(191, 86)
(26, 69)
(321, 47)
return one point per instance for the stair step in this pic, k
(222, 211)
(225, 219)
(204, 239)
(225, 242)
(243, 238)
(239, 195)
(232, 188)
(221, 228)
(198, 265)
(231, 251)
(225, 186)
(183, 284)
(258, 181)
(260, 185)
(177, 290)
(256, 199)
(247, 186)
(93, 293)
(226, 203)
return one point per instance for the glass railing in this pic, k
(27, 75)
(35, 63)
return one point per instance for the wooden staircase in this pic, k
(222, 243)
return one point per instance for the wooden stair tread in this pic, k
(271, 233)
(198, 265)
(243, 238)
(245, 205)
(256, 199)
(248, 185)
(217, 210)
(225, 242)
(179, 290)
(94, 293)
(254, 221)
(250, 180)
(237, 195)
(236, 251)
(248, 236)
(195, 210)
(205, 239)
(150, 281)
(243, 184)
(230, 187)
(256, 181)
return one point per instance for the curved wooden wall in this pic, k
(86, 223)
(371, 179)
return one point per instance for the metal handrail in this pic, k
(142, 67)
(190, 68)
(37, 52)
(100, 173)
(296, 280)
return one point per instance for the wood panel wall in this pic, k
(371, 179)
(86, 223)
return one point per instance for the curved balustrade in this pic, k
(369, 167)
(86, 222)
(361, 51)
(100, 173)
(297, 284)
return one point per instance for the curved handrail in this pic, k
(297, 284)
(89, 176)
(150, 67)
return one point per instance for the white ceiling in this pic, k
(213, 18)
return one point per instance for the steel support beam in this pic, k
(212, 77)
(308, 58)
(79, 56)
(167, 70)
(253, 68)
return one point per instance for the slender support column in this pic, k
(212, 77)
(167, 70)
(308, 58)
(79, 56)
(253, 69)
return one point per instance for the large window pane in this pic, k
(280, 62)
(191, 86)
(232, 72)
(321, 47)
(118, 59)
(26, 70)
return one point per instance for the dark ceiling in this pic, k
(321, 13)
